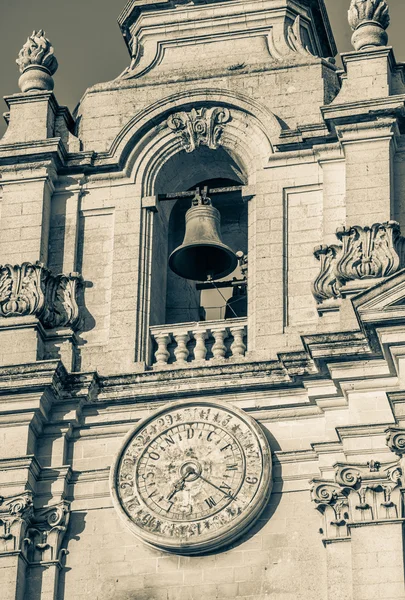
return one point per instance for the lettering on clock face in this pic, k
(190, 471)
(192, 474)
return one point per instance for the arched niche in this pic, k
(174, 299)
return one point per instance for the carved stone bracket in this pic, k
(286, 42)
(369, 19)
(31, 289)
(358, 493)
(200, 126)
(366, 253)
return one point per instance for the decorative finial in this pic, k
(369, 19)
(37, 63)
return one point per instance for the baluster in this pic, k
(238, 346)
(181, 352)
(162, 355)
(219, 348)
(200, 350)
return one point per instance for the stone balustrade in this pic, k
(185, 343)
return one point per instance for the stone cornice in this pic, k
(310, 381)
(32, 377)
(50, 150)
(369, 111)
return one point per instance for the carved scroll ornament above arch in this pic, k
(146, 142)
(200, 126)
(144, 123)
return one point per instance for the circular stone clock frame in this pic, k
(192, 477)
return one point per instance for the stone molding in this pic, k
(369, 19)
(37, 534)
(150, 38)
(359, 493)
(31, 289)
(366, 253)
(201, 126)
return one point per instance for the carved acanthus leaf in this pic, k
(39, 51)
(200, 126)
(365, 253)
(361, 11)
(369, 252)
(31, 289)
(326, 285)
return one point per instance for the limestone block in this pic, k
(32, 117)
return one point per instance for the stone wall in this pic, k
(319, 360)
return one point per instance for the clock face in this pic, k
(193, 476)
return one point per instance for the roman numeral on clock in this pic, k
(231, 467)
(211, 502)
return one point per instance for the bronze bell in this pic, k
(203, 255)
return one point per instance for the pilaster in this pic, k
(30, 547)
(25, 213)
(16, 515)
(369, 149)
(362, 508)
(149, 212)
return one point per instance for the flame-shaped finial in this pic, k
(369, 19)
(37, 63)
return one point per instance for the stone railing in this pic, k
(184, 343)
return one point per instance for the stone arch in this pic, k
(145, 143)
(147, 148)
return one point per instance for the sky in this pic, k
(89, 46)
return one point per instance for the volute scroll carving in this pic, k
(358, 493)
(365, 253)
(43, 540)
(16, 515)
(31, 289)
(396, 440)
(200, 126)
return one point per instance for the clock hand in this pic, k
(179, 485)
(227, 494)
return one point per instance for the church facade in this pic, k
(202, 313)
